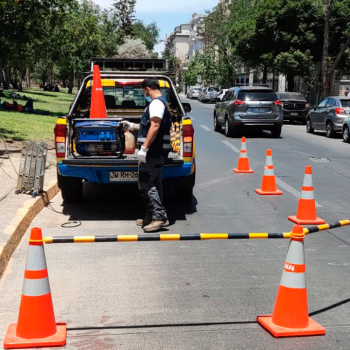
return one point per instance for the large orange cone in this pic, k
(243, 161)
(306, 213)
(268, 184)
(36, 326)
(290, 316)
(98, 104)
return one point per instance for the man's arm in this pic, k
(153, 131)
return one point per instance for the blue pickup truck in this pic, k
(93, 149)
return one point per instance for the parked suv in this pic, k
(208, 94)
(249, 106)
(295, 107)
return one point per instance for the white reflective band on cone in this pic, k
(268, 172)
(269, 160)
(296, 254)
(293, 280)
(308, 180)
(37, 287)
(243, 146)
(36, 258)
(307, 194)
(243, 155)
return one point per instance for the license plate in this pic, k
(259, 110)
(293, 113)
(123, 176)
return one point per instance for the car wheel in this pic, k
(217, 127)
(309, 128)
(229, 130)
(346, 136)
(276, 132)
(329, 130)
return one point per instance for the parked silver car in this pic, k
(208, 94)
(329, 115)
(221, 94)
(193, 92)
(249, 106)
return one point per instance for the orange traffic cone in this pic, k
(36, 326)
(290, 315)
(306, 213)
(98, 104)
(243, 161)
(268, 184)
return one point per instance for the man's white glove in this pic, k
(127, 125)
(141, 155)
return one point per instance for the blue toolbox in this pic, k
(99, 138)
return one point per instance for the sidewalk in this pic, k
(18, 210)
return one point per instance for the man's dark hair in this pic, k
(152, 83)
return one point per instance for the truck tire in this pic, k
(71, 188)
(184, 187)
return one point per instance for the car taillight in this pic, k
(60, 140)
(340, 111)
(278, 103)
(187, 133)
(238, 102)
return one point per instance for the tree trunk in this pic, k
(27, 78)
(70, 88)
(325, 52)
(265, 75)
(290, 79)
(7, 76)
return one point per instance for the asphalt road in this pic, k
(199, 295)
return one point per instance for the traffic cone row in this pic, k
(306, 212)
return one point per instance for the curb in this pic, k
(24, 216)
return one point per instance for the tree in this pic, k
(149, 34)
(133, 48)
(336, 21)
(281, 35)
(125, 13)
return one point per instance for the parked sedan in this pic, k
(193, 92)
(208, 94)
(295, 107)
(329, 115)
(221, 94)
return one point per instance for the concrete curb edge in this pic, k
(21, 222)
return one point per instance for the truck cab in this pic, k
(93, 150)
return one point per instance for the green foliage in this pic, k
(125, 12)
(149, 34)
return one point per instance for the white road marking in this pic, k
(229, 144)
(205, 127)
(291, 190)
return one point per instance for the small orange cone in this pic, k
(98, 104)
(290, 316)
(306, 213)
(268, 184)
(36, 326)
(243, 161)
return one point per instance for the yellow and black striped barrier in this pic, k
(186, 237)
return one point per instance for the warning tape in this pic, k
(185, 237)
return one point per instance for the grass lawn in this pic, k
(18, 126)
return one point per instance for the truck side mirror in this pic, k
(187, 107)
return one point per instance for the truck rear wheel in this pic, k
(184, 187)
(71, 188)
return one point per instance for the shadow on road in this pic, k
(120, 202)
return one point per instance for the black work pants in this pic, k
(150, 187)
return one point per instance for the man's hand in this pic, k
(127, 125)
(142, 154)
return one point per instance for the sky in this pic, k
(168, 14)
